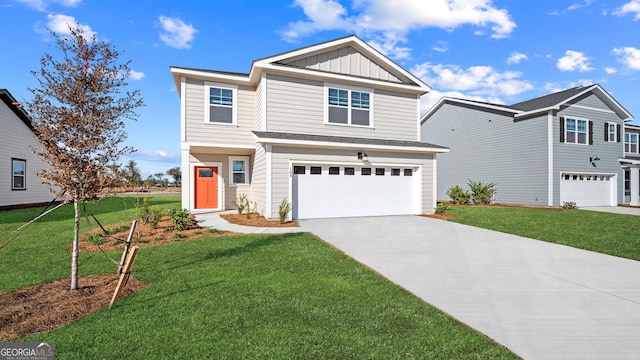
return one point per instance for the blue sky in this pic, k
(496, 51)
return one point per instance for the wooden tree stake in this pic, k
(127, 244)
(125, 274)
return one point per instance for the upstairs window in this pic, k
(19, 171)
(348, 106)
(220, 104)
(576, 131)
(631, 143)
(611, 132)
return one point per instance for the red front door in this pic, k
(206, 190)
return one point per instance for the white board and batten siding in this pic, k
(298, 105)
(16, 142)
(327, 195)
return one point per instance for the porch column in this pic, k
(634, 183)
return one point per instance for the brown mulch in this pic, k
(257, 220)
(41, 308)
(145, 235)
(441, 217)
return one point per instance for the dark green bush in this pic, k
(442, 208)
(181, 219)
(481, 193)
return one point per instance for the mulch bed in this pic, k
(44, 307)
(255, 219)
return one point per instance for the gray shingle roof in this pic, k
(548, 100)
(344, 140)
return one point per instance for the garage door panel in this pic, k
(588, 189)
(325, 195)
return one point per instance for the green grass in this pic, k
(606, 233)
(41, 253)
(284, 296)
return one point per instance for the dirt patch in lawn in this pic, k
(441, 217)
(41, 308)
(255, 219)
(145, 235)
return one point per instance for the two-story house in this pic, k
(561, 147)
(19, 183)
(334, 128)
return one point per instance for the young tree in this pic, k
(176, 174)
(78, 112)
(132, 174)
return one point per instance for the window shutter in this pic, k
(619, 133)
(590, 132)
(561, 129)
(606, 131)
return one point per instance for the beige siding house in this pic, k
(19, 184)
(333, 128)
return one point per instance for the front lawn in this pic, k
(606, 233)
(241, 297)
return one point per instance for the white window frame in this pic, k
(349, 107)
(246, 169)
(611, 138)
(13, 174)
(566, 126)
(628, 143)
(234, 112)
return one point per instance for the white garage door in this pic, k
(588, 189)
(320, 191)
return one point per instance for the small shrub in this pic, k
(179, 235)
(283, 210)
(139, 240)
(481, 193)
(181, 219)
(212, 230)
(458, 195)
(117, 229)
(154, 217)
(569, 205)
(96, 238)
(441, 208)
(158, 238)
(241, 203)
(143, 210)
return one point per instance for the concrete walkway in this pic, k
(614, 209)
(541, 300)
(213, 220)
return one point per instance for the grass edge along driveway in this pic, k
(252, 296)
(606, 233)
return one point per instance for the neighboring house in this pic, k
(19, 184)
(334, 128)
(562, 147)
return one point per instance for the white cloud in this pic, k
(629, 56)
(42, 5)
(610, 70)
(175, 33)
(552, 87)
(516, 58)
(632, 7)
(135, 75)
(441, 46)
(60, 24)
(574, 61)
(481, 83)
(578, 6)
(392, 20)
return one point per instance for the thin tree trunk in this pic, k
(74, 254)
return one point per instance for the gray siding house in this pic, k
(334, 128)
(631, 164)
(19, 184)
(562, 147)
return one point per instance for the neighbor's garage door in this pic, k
(343, 191)
(588, 189)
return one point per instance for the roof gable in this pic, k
(15, 107)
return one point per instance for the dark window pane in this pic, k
(220, 114)
(18, 182)
(334, 170)
(395, 172)
(408, 172)
(315, 170)
(205, 173)
(379, 171)
(349, 171)
(238, 178)
(298, 170)
(338, 115)
(360, 117)
(365, 171)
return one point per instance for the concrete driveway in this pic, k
(540, 300)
